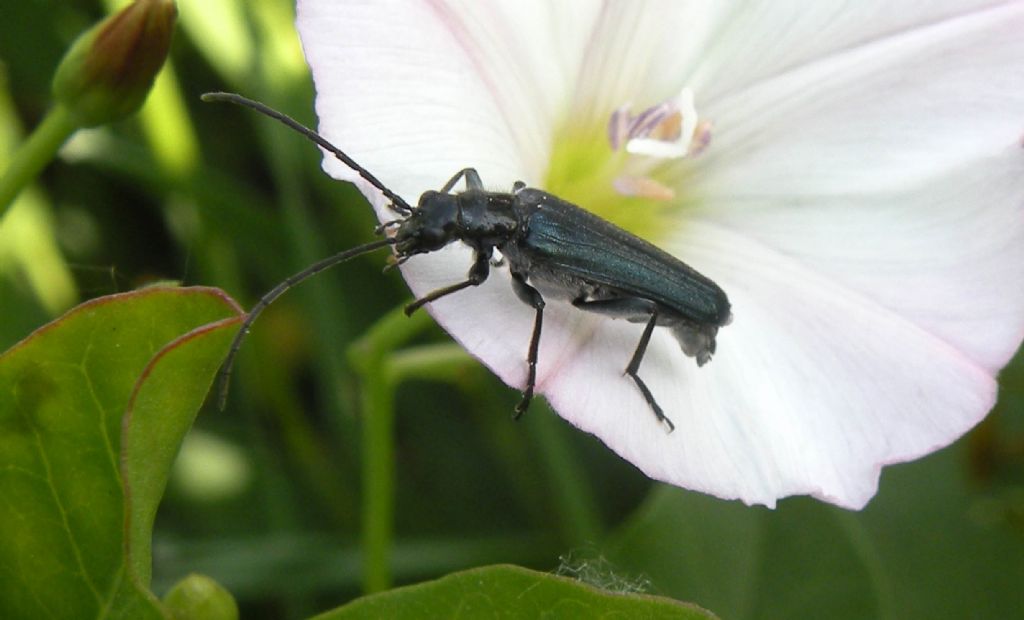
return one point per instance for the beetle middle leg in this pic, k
(532, 298)
(632, 308)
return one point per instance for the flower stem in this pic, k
(431, 362)
(576, 508)
(34, 154)
(370, 357)
(378, 478)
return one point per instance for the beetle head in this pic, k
(431, 226)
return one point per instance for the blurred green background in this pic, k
(266, 496)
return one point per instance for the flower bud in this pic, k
(198, 596)
(108, 71)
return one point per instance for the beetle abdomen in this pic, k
(579, 245)
(697, 341)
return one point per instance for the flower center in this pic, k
(630, 171)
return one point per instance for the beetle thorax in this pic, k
(479, 218)
(487, 219)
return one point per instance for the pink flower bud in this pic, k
(108, 71)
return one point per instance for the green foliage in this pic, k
(139, 363)
(510, 592)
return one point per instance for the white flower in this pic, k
(860, 201)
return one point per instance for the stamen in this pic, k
(701, 138)
(669, 130)
(643, 187)
(618, 127)
(649, 120)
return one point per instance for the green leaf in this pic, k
(508, 592)
(65, 390)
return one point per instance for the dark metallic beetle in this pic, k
(554, 249)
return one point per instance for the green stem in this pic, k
(576, 507)
(378, 477)
(868, 554)
(392, 331)
(430, 362)
(370, 357)
(34, 154)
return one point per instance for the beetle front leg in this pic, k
(477, 275)
(472, 180)
(532, 298)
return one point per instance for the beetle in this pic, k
(554, 250)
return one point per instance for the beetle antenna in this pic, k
(224, 375)
(397, 202)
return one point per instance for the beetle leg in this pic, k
(478, 272)
(634, 366)
(386, 225)
(472, 180)
(532, 298)
(631, 308)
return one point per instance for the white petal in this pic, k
(948, 256)
(812, 390)
(889, 115)
(755, 40)
(416, 91)
(640, 52)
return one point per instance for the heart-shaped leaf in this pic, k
(510, 592)
(65, 390)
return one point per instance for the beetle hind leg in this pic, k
(634, 366)
(635, 310)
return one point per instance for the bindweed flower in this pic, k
(110, 68)
(851, 174)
